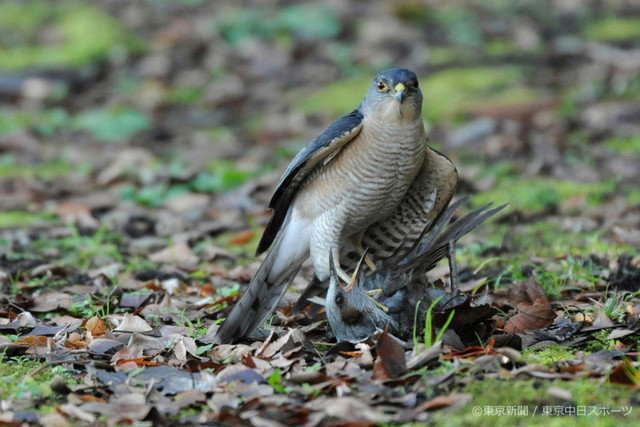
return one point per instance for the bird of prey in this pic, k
(339, 190)
(401, 288)
(388, 240)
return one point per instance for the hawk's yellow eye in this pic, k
(382, 86)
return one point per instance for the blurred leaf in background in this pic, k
(112, 124)
(303, 21)
(40, 33)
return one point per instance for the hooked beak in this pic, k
(400, 94)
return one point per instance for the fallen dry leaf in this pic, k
(51, 301)
(96, 326)
(602, 320)
(626, 374)
(126, 181)
(349, 409)
(533, 308)
(453, 399)
(75, 340)
(36, 345)
(131, 323)
(179, 253)
(391, 356)
(76, 213)
(242, 238)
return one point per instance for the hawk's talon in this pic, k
(335, 255)
(343, 276)
(375, 292)
(357, 245)
(369, 263)
(354, 278)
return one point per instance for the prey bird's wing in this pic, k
(434, 244)
(317, 152)
(431, 253)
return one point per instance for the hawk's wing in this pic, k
(319, 151)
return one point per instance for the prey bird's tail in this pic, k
(266, 289)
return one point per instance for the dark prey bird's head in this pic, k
(394, 95)
(352, 314)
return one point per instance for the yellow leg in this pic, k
(357, 244)
(371, 294)
(335, 253)
(369, 263)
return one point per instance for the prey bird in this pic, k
(400, 288)
(338, 193)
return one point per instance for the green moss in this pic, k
(22, 218)
(501, 48)
(543, 239)
(442, 55)
(48, 169)
(223, 175)
(44, 122)
(23, 18)
(115, 124)
(86, 34)
(593, 193)
(632, 193)
(453, 92)
(511, 96)
(551, 240)
(614, 29)
(629, 145)
(83, 251)
(338, 98)
(303, 21)
(18, 383)
(473, 79)
(439, 55)
(535, 194)
(549, 355)
(599, 339)
(412, 11)
(532, 394)
(461, 25)
(185, 95)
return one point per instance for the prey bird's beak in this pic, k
(400, 94)
(354, 278)
(333, 273)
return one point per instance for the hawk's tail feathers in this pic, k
(259, 300)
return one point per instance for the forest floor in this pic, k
(136, 168)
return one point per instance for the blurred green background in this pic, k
(112, 104)
(140, 142)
